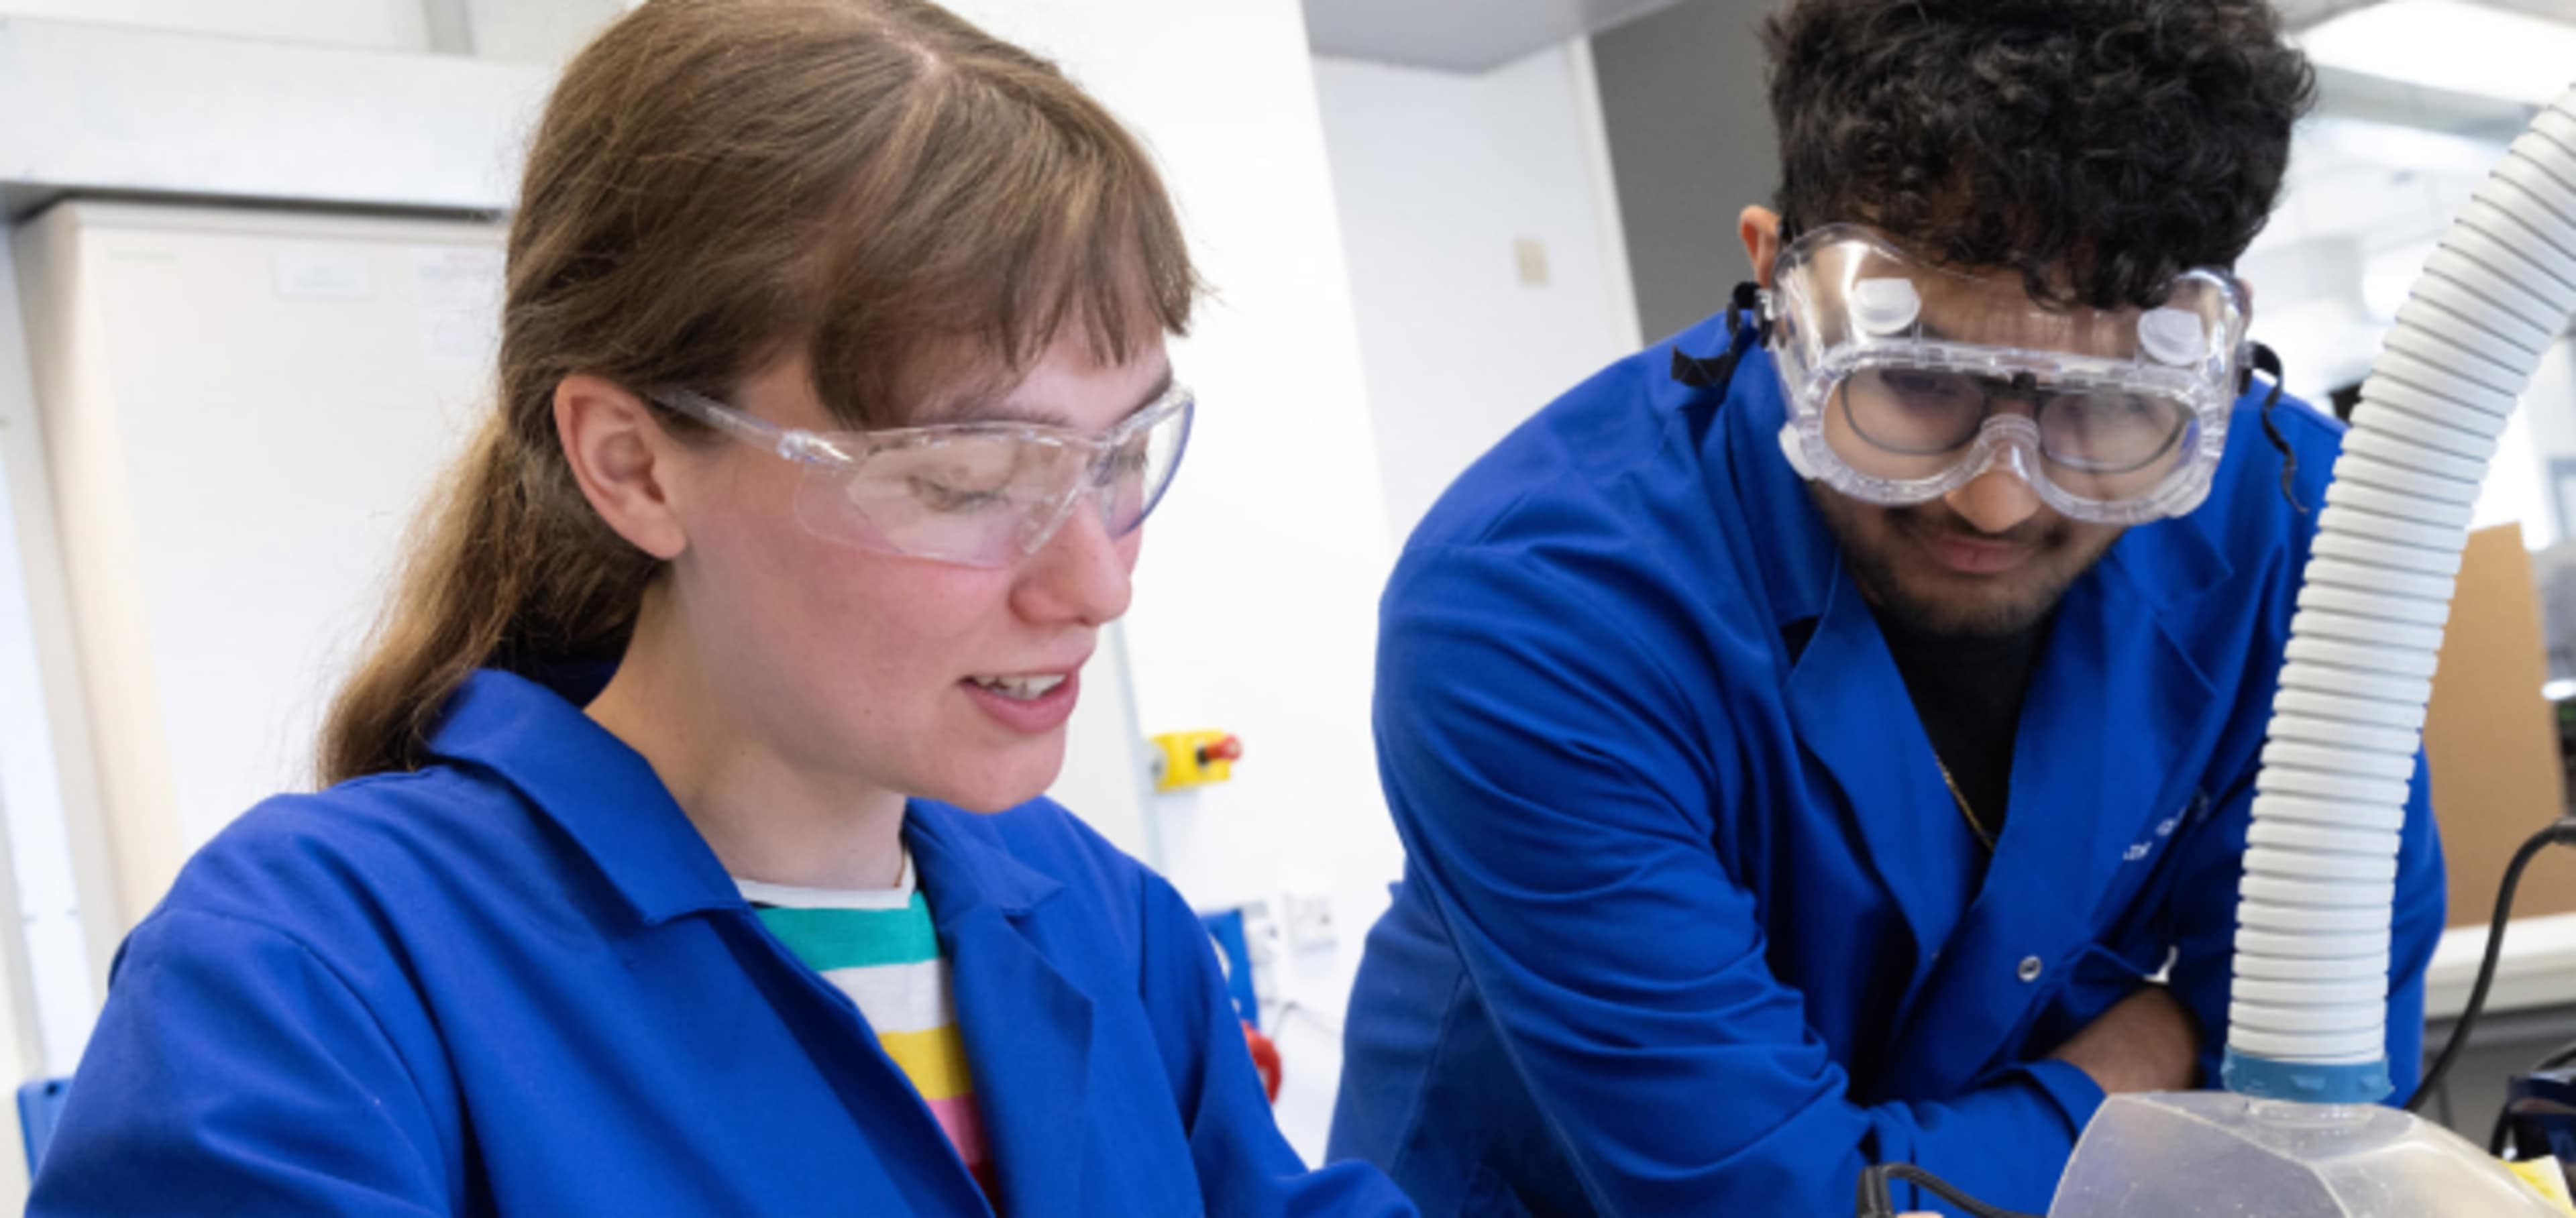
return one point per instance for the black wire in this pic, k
(1877, 1202)
(2563, 1057)
(2563, 831)
(2268, 362)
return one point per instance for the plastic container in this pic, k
(2210, 1154)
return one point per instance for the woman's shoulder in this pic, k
(322, 866)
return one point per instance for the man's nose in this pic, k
(1994, 502)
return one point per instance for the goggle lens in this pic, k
(1907, 425)
(988, 500)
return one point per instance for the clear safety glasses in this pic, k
(973, 494)
(1907, 381)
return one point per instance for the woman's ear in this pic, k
(1760, 228)
(623, 460)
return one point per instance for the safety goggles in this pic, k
(973, 494)
(1907, 381)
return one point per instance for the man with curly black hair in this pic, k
(1829, 737)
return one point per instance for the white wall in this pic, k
(1442, 179)
(1256, 600)
(537, 31)
(47, 767)
(382, 25)
(519, 31)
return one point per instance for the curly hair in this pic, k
(2098, 147)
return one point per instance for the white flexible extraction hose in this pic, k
(2308, 1019)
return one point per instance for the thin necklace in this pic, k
(1975, 826)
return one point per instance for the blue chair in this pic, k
(40, 1104)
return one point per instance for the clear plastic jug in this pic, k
(2212, 1154)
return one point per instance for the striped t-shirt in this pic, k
(880, 949)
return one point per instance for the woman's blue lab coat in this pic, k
(1690, 923)
(519, 982)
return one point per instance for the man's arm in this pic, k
(1558, 812)
(2145, 1042)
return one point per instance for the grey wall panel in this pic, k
(1691, 143)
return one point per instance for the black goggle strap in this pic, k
(1717, 373)
(2268, 363)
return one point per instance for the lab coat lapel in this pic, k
(1027, 1028)
(1852, 714)
(1844, 697)
(2105, 729)
(2128, 703)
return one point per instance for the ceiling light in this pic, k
(2451, 45)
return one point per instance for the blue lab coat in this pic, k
(519, 982)
(1690, 924)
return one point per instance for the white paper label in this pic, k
(322, 274)
(458, 291)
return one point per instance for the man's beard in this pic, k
(1999, 605)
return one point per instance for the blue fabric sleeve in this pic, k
(1552, 767)
(2423, 909)
(1245, 1168)
(2204, 960)
(233, 1072)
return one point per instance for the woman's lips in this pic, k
(1033, 715)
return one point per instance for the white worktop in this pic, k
(2537, 968)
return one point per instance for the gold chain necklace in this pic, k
(1975, 826)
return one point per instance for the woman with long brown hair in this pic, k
(682, 847)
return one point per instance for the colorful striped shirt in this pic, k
(880, 949)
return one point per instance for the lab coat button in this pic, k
(2030, 968)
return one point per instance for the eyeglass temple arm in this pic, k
(793, 443)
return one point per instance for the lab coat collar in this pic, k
(1794, 551)
(1028, 1028)
(1842, 691)
(962, 868)
(602, 794)
(531, 732)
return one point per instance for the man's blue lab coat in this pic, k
(1690, 923)
(519, 982)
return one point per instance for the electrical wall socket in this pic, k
(1308, 919)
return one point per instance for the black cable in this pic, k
(2269, 363)
(1877, 1202)
(2562, 1058)
(2563, 832)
